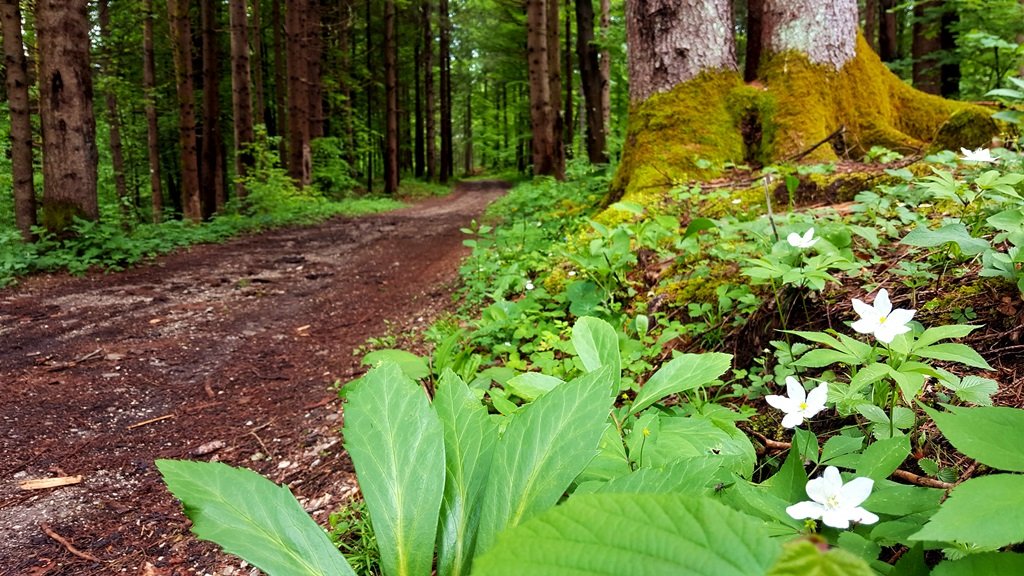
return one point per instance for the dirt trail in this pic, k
(221, 352)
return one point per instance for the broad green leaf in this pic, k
(396, 443)
(979, 512)
(698, 225)
(894, 499)
(469, 438)
(412, 365)
(807, 443)
(544, 447)
(974, 389)
(686, 476)
(252, 518)
(597, 344)
(760, 501)
(978, 564)
(803, 558)
(936, 333)
(790, 482)
(840, 446)
(530, 385)
(859, 546)
(682, 373)
(882, 458)
(951, 352)
(611, 460)
(869, 375)
(993, 436)
(818, 338)
(635, 534)
(676, 437)
(950, 233)
(821, 357)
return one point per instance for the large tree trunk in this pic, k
(152, 129)
(568, 132)
(606, 66)
(555, 91)
(314, 69)
(871, 23)
(391, 100)
(888, 34)
(211, 172)
(241, 99)
(280, 126)
(255, 34)
(181, 40)
(299, 154)
(926, 44)
(113, 116)
(543, 112)
(590, 79)
(21, 122)
(445, 69)
(66, 115)
(428, 92)
(755, 29)
(814, 84)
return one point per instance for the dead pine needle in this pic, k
(151, 421)
(68, 545)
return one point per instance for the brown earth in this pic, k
(228, 352)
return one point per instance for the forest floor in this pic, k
(227, 352)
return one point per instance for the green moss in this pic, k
(960, 296)
(58, 216)
(700, 284)
(971, 127)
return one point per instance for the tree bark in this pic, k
(606, 67)
(949, 73)
(113, 117)
(444, 62)
(871, 12)
(21, 124)
(66, 114)
(567, 132)
(314, 68)
(241, 98)
(555, 92)
(419, 152)
(672, 41)
(755, 29)
(542, 109)
(827, 30)
(211, 171)
(926, 44)
(888, 36)
(428, 92)
(588, 56)
(299, 156)
(181, 40)
(280, 127)
(391, 100)
(152, 128)
(255, 34)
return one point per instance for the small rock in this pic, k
(209, 447)
(283, 464)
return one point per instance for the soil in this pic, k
(228, 352)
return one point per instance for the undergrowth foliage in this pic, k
(597, 407)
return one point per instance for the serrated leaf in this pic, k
(412, 365)
(882, 458)
(951, 352)
(636, 534)
(544, 447)
(531, 385)
(976, 513)
(686, 476)
(469, 438)
(974, 389)
(993, 436)
(396, 443)
(977, 564)
(597, 344)
(252, 518)
(803, 558)
(682, 373)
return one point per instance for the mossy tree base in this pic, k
(702, 125)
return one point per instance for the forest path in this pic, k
(223, 352)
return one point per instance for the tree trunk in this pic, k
(755, 28)
(21, 124)
(419, 153)
(555, 92)
(949, 73)
(444, 62)
(567, 132)
(543, 112)
(66, 114)
(299, 158)
(241, 99)
(152, 128)
(590, 79)
(391, 100)
(671, 41)
(211, 175)
(828, 29)
(181, 40)
(280, 127)
(255, 34)
(871, 12)
(428, 92)
(606, 66)
(888, 35)
(113, 117)
(345, 81)
(926, 44)
(314, 69)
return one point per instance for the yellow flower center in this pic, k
(832, 501)
(803, 405)
(882, 319)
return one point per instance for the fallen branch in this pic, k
(921, 480)
(68, 545)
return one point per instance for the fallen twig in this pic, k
(68, 545)
(921, 480)
(43, 483)
(150, 421)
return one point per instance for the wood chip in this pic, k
(44, 483)
(209, 447)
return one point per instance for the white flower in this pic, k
(799, 404)
(979, 155)
(806, 241)
(880, 319)
(529, 285)
(834, 503)
(572, 273)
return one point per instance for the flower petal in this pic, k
(836, 519)
(781, 403)
(817, 397)
(855, 492)
(863, 310)
(819, 490)
(900, 316)
(862, 516)
(795, 390)
(793, 239)
(805, 509)
(793, 419)
(882, 304)
(885, 335)
(833, 479)
(865, 325)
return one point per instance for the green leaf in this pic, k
(790, 482)
(807, 443)
(936, 333)
(837, 446)
(682, 373)
(396, 443)
(993, 436)
(882, 458)
(252, 518)
(687, 476)
(469, 438)
(950, 233)
(869, 375)
(951, 352)
(597, 345)
(544, 447)
(893, 499)
(803, 558)
(635, 534)
(978, 513)
(977, 564)
(675, 437)
(412, 365)
(531, 385)
(821, 357)
(974, 389)
(698, 225)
